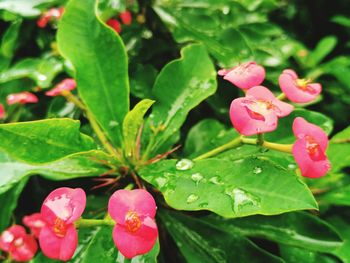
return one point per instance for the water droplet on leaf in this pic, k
(257, 170)
(243, 201)
(197, 177)
(184, 164)
(216, 180)
(192, 198)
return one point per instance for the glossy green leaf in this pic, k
(83, 164)
(323, 48)
(43, 141)
(142, 81)
(230, 30)
(40, 70)
(339, 150)
(207, 135)
(295, 229)
(341, 20)
(180, 86)
(132, 124)
(101, 66)
(199, 241)
(8, 202)
(231, 189)
(284, 132)
(297, 255)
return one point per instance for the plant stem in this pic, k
(286, 148)
(282, 96)
(93, 222)
(127, 260)
(233, 144)
(95, 126)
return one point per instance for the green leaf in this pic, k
(230, 30)
(8, 202)
(100, 61)
(142, 81)
(207, 135)
(9, 43)
(83, 164)
(199, 241)
(43, 141)
(231, 189)
(295, 229)
(323, 48)
(341, 20)
(24, 7)
(339, 150)
(339, 196)
(284, 132)
(297, 255)
(180, 86)
(342, 225)
(40, 70)
(132, 124)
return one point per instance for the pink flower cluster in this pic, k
(114, 23)
(258, 112)
(135, 230)
(26, 97)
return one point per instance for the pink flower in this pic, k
(53, 13)
(35, 222)
(298, 90)
(258, 111)
(59, 238)
(2, 111)
(135, 232)
(65, 85)
(21, 98)
(244, 76)
(309, 149)
(126, 17)
(21, 246)
(114, 23)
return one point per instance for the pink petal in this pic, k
(260, 93)
(65, 85)
(56, 247)
(245, 124)
(287, 82)
(21, 98)
(302, 128)
(65, 203)
(9, 235)
(245, 76)
(138, 243)
(290, 72)
(2, 111)
(282, 108)
(26, 251)
(35, 222)
(308, 167)
(124, 201)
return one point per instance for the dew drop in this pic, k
(197, 177)
(291, 166)
(216, 180)
(202, 205)
(42, 77)
(184, 164)
(242, 200)
(192, 198)
(257, 170)
(225, 10)
(161, 181)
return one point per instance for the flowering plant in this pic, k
(110, 153)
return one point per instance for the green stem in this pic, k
(286, 148)
(95, 126)
(233, 144)
(127, 260)
(282, 96)
(93, 222)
